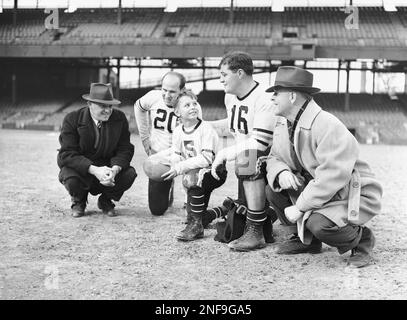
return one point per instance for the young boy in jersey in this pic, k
(250, 119)
(194, 145)
(156, 121)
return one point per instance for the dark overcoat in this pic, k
(77, 139)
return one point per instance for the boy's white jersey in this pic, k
(162, 120)
(198, 147)
(251, 116)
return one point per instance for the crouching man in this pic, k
(95, 152)
(315, 175)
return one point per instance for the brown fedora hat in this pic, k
(294, 78)
(101, 93)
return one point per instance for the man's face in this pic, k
(99, 111)
(188, 108)
(229, 79)
(170, 89)
(281, 100)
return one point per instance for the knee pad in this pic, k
(251, 164)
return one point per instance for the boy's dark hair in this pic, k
(238, 60)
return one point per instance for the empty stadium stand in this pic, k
(373, 118)
(33, 110)
(322, 25)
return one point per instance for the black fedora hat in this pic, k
(101, 93)
(294, 78)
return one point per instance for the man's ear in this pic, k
(240, 73)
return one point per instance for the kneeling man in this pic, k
(314, 163)
(95, 152)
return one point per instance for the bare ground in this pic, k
(47, 254)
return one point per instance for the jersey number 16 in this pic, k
(241, 123)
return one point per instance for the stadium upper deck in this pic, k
(321, 26)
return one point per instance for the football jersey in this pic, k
(162, 120)
(195, 148)
(251, 116)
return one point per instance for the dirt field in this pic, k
(47, 254)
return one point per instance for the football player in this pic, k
(156, 121)
(250, 119)
(194, 145)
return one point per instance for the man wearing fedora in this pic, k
(317, 182)
(95, 152)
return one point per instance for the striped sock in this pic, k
(256, 215)
(215, 212)
(196, 202)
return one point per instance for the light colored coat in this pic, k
(343, 187)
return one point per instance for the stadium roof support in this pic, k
(15, 13)
(346, 107)
(119, 13)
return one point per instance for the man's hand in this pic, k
(288, 180)
(293, 214)
(219, 159)
(109, 182)
(147, 146)
(170, 174)
(101, 173)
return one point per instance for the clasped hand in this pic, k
(105, 175)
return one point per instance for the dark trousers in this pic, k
(343, 238)
(158, 196)
(123, 182)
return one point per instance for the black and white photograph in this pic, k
(224, 151)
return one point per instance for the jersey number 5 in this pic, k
(162, 119)
(241, 123)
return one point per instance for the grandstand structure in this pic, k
(44, 71)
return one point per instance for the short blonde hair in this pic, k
(185, 93)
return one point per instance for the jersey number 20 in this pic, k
(161, 119)
(241, 123)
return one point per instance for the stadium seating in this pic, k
(213, 22)
(253, 26)
(327, 26)
(369, 115)
(213, 107)
(30, 110)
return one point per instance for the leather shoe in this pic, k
(78, 207)
(77, 211)
(107, 206)
(295, 246)
(361, 254)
